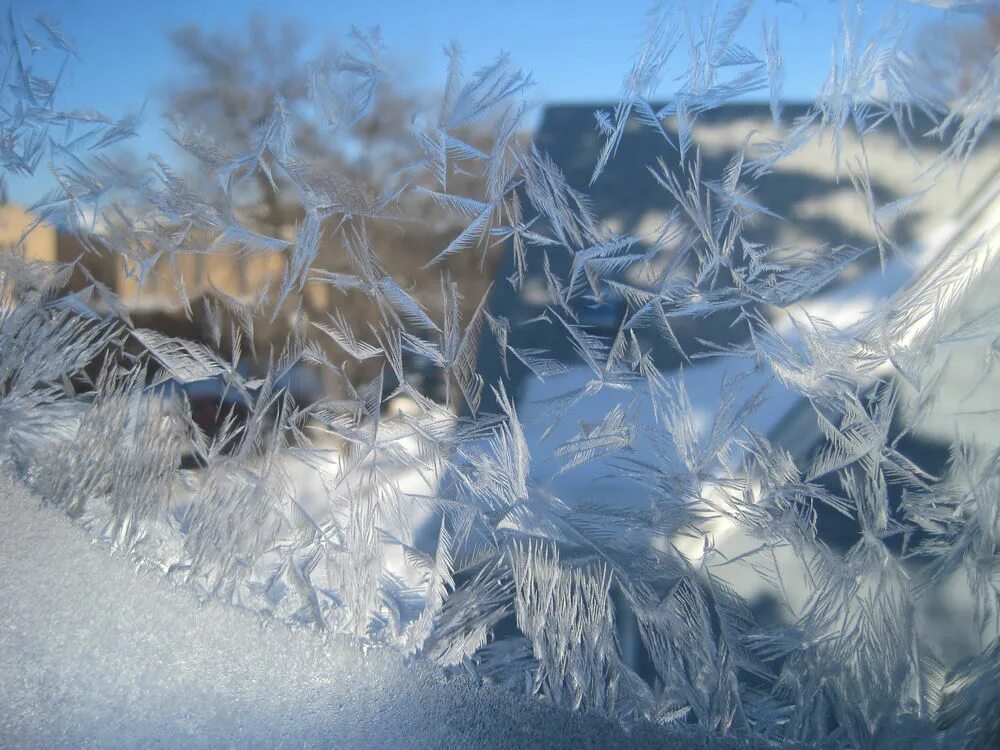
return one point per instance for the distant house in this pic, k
(239, 277)
(818, 206)
(152, 295)
(811, 193)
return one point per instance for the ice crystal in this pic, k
(579, 507)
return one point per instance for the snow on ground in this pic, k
(601, 479)
(93, 654)
(704, 384)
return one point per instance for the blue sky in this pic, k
(577, 51)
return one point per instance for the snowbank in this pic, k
(93, 654)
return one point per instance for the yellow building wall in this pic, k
(240, 276)
(17, 225)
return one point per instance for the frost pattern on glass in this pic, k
(476, 529)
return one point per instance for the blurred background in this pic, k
(168, 72)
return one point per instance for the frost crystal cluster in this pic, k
(668, 474)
